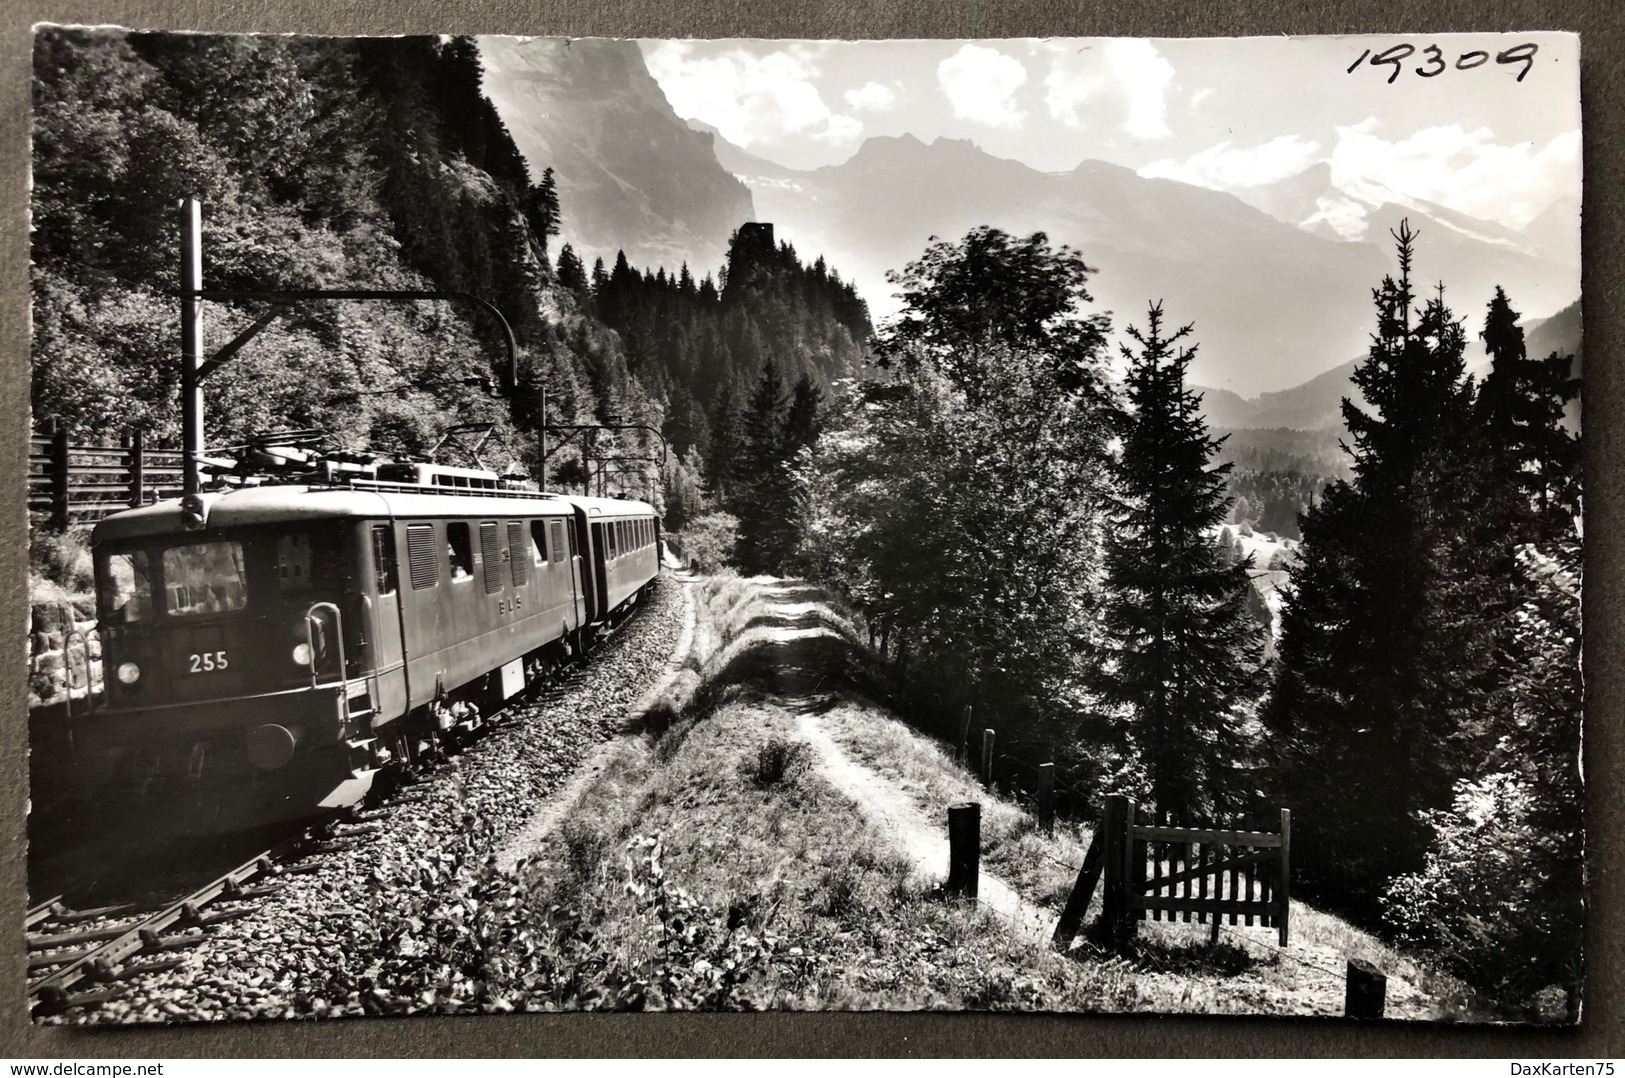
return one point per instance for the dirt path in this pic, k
(552, 810)
(923, 841)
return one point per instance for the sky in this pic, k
(1223, 113)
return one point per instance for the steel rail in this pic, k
(136, 938)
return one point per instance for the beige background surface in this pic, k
(867, 1034)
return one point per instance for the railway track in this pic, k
(78, 957)
(83, 957)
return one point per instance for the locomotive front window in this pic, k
(205, 578)
(127, 587)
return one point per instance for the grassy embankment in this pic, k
(714, 858)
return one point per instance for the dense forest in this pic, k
(380, 164)
(1029, 535)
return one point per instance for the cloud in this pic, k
(750, 98)
(1145, 74)
(1465, 170)
(1200, 96)
(1228, 167)
(1123, 73)
(981, 83)
(1342, 215)
(871, 97)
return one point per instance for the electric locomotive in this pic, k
(270, 650)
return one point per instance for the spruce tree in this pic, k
(1521, 408)
(572, 274)
(544, 209)
(801, 423)
(1383, 631)
(1180, 651)
(762, 498)
(725, 462)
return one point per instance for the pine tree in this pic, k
(1181, 654)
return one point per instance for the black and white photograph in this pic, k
(1066, 525)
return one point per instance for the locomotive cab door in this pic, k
(386, 631)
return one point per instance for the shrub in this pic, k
(708, 541)
(777, 761)
(63, 558)
(1488, 903)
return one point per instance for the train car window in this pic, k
(557, 528)
(127, 587)
(383, 559)
(205, 578)
(571, 532)
(459, 551)
(538, 541)
(516, 553)
(491, 555)
(424, 566)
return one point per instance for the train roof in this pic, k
(609, 507)
(279, 503)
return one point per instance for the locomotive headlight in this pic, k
(128, 673)
(301, 654)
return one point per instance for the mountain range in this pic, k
(1317, 403)
(631, 175)
(1272, 300)
(1279, 298)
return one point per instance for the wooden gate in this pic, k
(1156, 872)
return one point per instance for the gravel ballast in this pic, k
(275, 961)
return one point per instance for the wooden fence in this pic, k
(76, 485)
(1157, 872)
